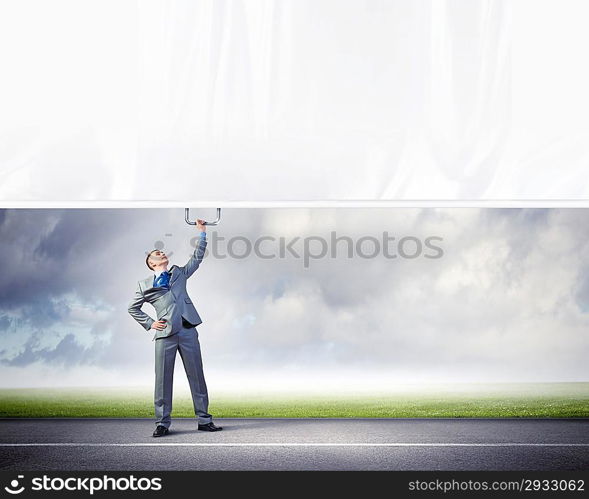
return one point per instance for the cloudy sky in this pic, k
(504, 297)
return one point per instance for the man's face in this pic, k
(157, 258)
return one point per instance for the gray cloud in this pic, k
(67, 352)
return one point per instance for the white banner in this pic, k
(212, 101)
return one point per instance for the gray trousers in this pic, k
(186, 342)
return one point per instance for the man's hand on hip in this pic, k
(159, 325)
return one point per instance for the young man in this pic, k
(175, 330)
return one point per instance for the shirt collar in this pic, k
(157, 273)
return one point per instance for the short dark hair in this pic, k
(148, 255)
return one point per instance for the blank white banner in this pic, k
(203, 101)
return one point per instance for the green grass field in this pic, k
(546, 400)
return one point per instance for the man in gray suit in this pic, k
(175, 330)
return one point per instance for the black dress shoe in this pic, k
(160, 431)
(209, 427)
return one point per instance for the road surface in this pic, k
(296, 444)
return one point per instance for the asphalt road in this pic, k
(296, 444)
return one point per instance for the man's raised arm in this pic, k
(196, 257)
(135, 309)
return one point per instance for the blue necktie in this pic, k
(163, 280)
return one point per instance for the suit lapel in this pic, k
(175, 270)
(147, 283)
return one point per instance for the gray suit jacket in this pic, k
(171, 304)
